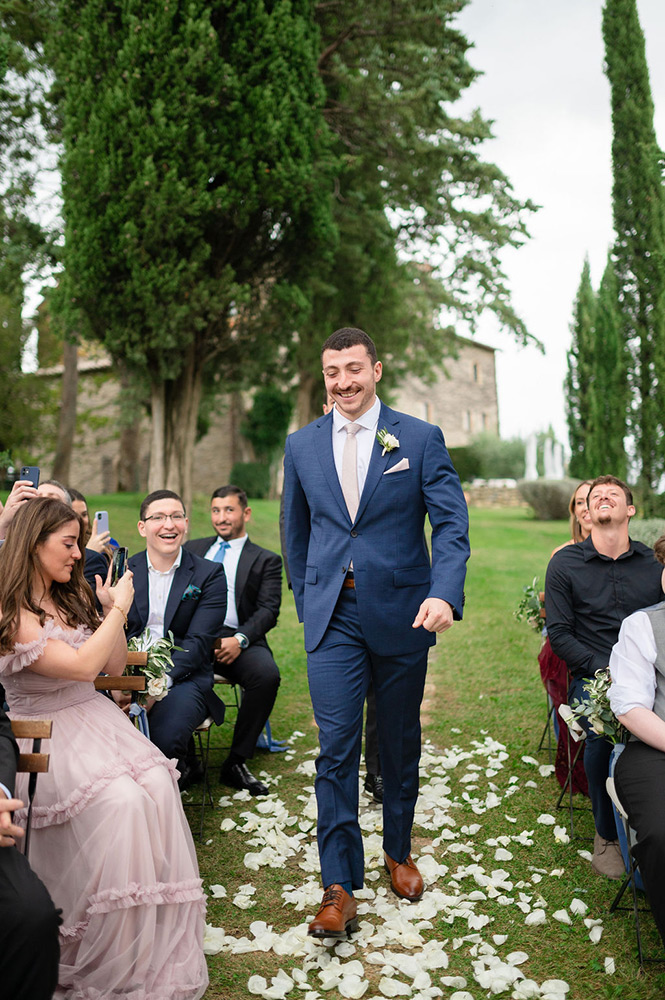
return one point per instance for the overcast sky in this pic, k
(544, 87)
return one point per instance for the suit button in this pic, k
(354, 534)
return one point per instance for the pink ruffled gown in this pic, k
(110, 841)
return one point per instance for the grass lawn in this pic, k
(484, 712)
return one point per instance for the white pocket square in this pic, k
(400, 467)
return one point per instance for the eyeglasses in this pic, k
(160, 518)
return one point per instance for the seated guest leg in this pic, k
(29, 949)
(640, 781)
(257, 674)
(173, 720)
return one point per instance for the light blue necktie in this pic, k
(219, 554)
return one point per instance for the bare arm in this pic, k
(22, 491)
(646, 725)
(101, 652)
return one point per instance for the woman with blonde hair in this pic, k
(109, 836)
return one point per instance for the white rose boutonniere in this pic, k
(387, 441)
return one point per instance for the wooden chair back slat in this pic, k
(33, 763)
(120, 683)
(32, 729)
(138, 659)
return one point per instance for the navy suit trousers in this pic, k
(339, 672)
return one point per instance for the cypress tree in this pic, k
(580, 376)
(605, 448)
(639, 222)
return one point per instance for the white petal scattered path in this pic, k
(393, 948)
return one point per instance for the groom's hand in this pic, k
(434, 615)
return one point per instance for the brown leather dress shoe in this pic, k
(405, 879)
(337, 916)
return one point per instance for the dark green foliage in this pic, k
(580, 377)
(267, 422)
(639, 221)
(194, 168)
(253, 478)
(605, 451)
(466, 462)
(498, 459)
(549, 498)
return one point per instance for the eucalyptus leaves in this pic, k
(160, 661)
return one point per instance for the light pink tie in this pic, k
(350, 470)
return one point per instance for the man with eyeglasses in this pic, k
(178, 592)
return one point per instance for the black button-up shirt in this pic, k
(588, 595)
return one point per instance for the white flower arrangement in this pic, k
(596, 709)
(387, 441)
(160, 661)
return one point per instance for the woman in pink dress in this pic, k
(109, 836)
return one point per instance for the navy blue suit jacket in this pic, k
(386, 542)
(195, 613)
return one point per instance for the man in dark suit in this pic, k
(29, 949)
(358, 485)
(254, 581)
(176, 591)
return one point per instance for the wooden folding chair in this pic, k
(34, 763)
(126, 682)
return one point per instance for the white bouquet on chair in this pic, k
(160, 661)
(596, 709)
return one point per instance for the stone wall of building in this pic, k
(462, 401)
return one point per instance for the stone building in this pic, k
(463, 401)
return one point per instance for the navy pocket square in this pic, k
(191, 594)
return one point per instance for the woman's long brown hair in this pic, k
(20, 567)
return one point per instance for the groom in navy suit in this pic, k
(358, 485)
(179, 592)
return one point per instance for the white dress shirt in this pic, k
(159, 588)
(632, 665)
(365, 438)
(231, 560)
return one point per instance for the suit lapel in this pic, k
(141, 588)
(247, 557)
(324, 451)
(181, 580)
(378, 463)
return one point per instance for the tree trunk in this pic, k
(309, 391)
(128, 479)
(175, 408)
(67, 421)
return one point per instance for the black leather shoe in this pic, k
(190, 774)
(374, 786)
(239, 776)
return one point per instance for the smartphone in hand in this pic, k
(102, 521)
(119, 564)
(30, 472)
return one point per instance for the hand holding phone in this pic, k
(30, 473)
(119, 564)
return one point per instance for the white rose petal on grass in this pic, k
(561, 835)
(213, 939)
(562, 916)
(457, 981)
(227, 824)
(554, 986)
(546, 819)
(243, 902)
(353, 987)
(257, 985)
(394, 988)
(530, 760)
(525, 989)
(545, 770)
(595, 934)
(610, 967)
(501, 854)
(578, 906)
(461, 995)
(535, 918)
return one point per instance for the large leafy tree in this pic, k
(581, 374)
(194, 170)
(639, 222)
(422, 217)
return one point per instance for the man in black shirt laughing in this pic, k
(589, 589)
